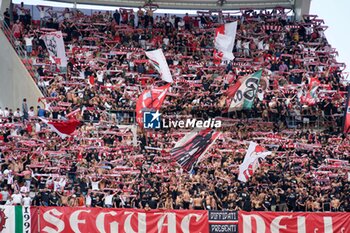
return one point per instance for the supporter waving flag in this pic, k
(311, 95)
(252, 160)
(192, 147)
(241, 95)
(62, 128)
(347, 113)
(224, 40)
(150, 100)
(158, 60)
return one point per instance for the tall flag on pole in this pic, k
(150, 100)
(252, 160)
(159, 62)
(241, 95)
(55, 46)
(224, 41)
(346, 127)
(191, 149)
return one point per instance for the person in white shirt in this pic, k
(28, 39)
(31, 112)
(16, 198)
(1, 112)
(88, 200)
(108, 199)
(246, 46)
(17, 113)
(9, 201)
(26, 200)
(5, 195)
(6, 112)
(95, 184)
(100, 77)
(24, 189)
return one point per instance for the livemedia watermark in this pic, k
(153, 120)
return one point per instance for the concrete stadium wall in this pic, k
(15, 80)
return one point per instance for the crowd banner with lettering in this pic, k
(55, 46)
(303, 222)
(223, 221)
(81, 220)
(18, 219)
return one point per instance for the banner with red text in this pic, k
(303, 222)
(64, 219)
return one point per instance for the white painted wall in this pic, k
(15, 81)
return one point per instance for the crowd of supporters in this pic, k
(101, 165)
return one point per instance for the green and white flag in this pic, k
(18, 219)
(241, 95)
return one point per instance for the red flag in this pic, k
(346, 128)
(63, 128)
(150, 99)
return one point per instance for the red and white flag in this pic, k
(311, 95)
(252, 160)
(62, 128)
(150, 100)
(224, 41)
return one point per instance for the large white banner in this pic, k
(55, 46)
(158, 60)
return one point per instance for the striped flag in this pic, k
(241, 95)
(191, 149)
(18, 219)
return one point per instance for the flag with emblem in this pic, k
(157, 59)
(150, 100)
(18, 219)
(241, 95)
(255, 154)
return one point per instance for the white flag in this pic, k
(251, 161)
(158, 60)
(55, 45)
(225, 40)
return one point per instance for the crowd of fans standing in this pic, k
(99, 166)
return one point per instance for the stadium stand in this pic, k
(297, 114)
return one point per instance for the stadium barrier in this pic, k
(81, 219)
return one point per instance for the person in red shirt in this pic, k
(187, 21)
